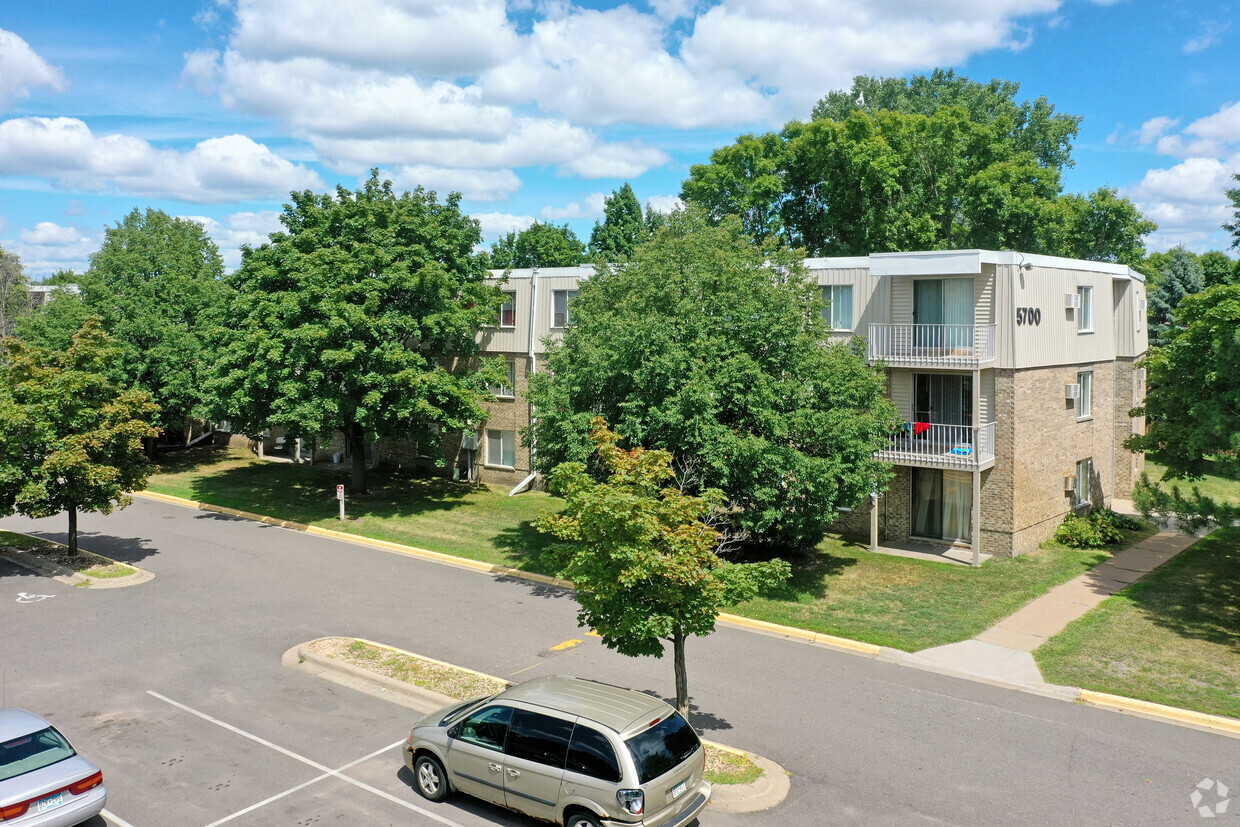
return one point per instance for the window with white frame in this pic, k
(1085, 315)
(1083, 470)
(506, 390)
(560, 300)
(1085, 379)
(837, 306)
(502, 448)
(507, 316)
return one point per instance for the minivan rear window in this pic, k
(33, 752)
(662, 747)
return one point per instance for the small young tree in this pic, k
(642, 554)
(72, 438)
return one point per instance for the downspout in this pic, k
(532, 369)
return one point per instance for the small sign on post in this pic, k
(340, 496)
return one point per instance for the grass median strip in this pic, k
(83, 562)
(722, 766)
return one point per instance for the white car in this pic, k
(43, 781)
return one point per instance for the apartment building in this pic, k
(1014, 374)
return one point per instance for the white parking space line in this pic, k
(327, 771)
(114, 820)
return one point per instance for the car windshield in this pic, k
(457, 712)
(32, 752)
(662, 747)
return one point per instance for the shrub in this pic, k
(1098, 529)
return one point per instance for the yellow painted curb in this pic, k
(803, 634)
(1174, 713)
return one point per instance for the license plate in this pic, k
(50, 803)
(679, 789)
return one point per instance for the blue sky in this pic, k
(536, 109)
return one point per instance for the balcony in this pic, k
(960, 447)
(932, 345)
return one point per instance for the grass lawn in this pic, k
(440, 515)
(1173, 638)
(1218, 488)
(840, 588)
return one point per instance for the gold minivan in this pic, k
(572, 751)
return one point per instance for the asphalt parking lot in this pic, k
(197, 732)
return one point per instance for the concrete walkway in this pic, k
(1004, 651)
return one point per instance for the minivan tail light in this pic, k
(633, 801)
(85, 784)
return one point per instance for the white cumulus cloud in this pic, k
(22, 70)
(496, 224)
(230, 168)
(589, 207)
(47, 247)
(240, 228)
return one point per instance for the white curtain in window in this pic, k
(957, 505)
(842, 307)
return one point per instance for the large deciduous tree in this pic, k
(13, 291)
(1193, 405)
(931, 162)
(359, 317)
(641, 554)
(703, 347)
(72, 437)
(539, 245)
(155, 281)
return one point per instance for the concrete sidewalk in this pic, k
(1003, 652)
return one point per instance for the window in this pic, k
(1086, 380)
(664, 746)
(488, 728)
(837, 308)
(1085, 315)
(560, 299)
(502, 448)
(506, 390)
(590, 753)
(508, 310)
(1083, 470)
(539, 738)
(33, 752)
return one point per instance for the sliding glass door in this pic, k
(942, 504)
(940, 308)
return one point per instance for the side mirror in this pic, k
(454, 731)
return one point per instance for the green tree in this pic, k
(72, 437)
(539, 245)
(1193, 404)
(359, 317)
(52, 326)
(623, 227)
(155, 281)
(703, 347)
(642, 554)
(1233, 226)
(1218, 268)
(1181, 277)
(933, 162)
(13, 291)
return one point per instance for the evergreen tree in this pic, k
(1180, 277)
(623, 227)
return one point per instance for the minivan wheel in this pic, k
(431, 780)
(581, 819)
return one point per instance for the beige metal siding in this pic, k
(901, 300)
(869, 303)
(984, 292)
(544, 314)
(1055, 339)
(513, 339)
(902, 392)
(986, 407)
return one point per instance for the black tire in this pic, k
(582, 819)
(430, 778)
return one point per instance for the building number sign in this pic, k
(1028, 315)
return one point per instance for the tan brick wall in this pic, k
(507, 414)
(1129, 392)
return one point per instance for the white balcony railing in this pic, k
(955, 345)
(942, 446)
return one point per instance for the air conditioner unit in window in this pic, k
(1072, 301)
(561, 320)
(1140, 374)
(469, 441)
(1072, 391)
(1069, 482)
(1142, 305)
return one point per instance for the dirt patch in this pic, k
(446, 680)
(20, 546)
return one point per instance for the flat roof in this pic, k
(937, 262)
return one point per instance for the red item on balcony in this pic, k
(920, 428)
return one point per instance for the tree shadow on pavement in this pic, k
(130, 550)
(701, 721)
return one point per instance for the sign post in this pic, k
(340, 496)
